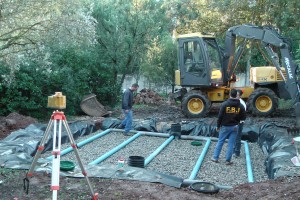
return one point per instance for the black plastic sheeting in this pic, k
(138, 125)
(203, 127)
(196, 128)
(18, 148)
(128, 173)
(277, 145)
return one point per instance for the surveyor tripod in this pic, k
(60, 118)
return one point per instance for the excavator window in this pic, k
(193, 58)
(213, 54)
(214, 60)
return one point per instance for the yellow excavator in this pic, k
(206, 72)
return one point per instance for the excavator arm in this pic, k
(269, 38)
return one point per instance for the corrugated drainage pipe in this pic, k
(114, 150)
(82, 143)
(136, 161)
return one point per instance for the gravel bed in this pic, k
(92, 151)
(221, 174)
(178, 158)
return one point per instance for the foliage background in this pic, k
(87, 46)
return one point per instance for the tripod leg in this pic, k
(40, 148)
(74, 146)
(37, 156)
(56, 159)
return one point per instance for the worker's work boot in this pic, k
(228, 163)
(121, 126)
(236, 155)
(126, 134)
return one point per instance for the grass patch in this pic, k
(9, 174)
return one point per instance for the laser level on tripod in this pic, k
(57, 101)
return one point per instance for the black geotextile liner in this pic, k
(20, 146)
(138, 125)
(203, 127)
(276, 143)
(110, 123)
(111, 171)
(195, 128)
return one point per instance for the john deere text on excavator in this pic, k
(206, 72)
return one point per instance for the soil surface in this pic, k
(11, 181)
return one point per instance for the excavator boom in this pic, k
(269, 38)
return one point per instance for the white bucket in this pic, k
(296, 160)
(297, 144)
(297, 139)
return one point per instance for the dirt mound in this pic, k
(13, 122)
(147, 96)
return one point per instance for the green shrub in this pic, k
(74, 73)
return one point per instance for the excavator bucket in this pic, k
(91, 106)
(297, 112)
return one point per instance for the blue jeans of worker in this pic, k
(238, 141)
(127, 122)
(229, 132)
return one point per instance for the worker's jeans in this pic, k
(127, 122)
(238, 141)
(229, 132)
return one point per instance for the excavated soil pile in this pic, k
(13, 122)
(148, 96)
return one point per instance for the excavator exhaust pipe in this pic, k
(297, 112)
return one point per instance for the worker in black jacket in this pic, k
(127, 103)
(230, 115)
(238, 142)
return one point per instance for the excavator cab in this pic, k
(201, 71)
(199, 61)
